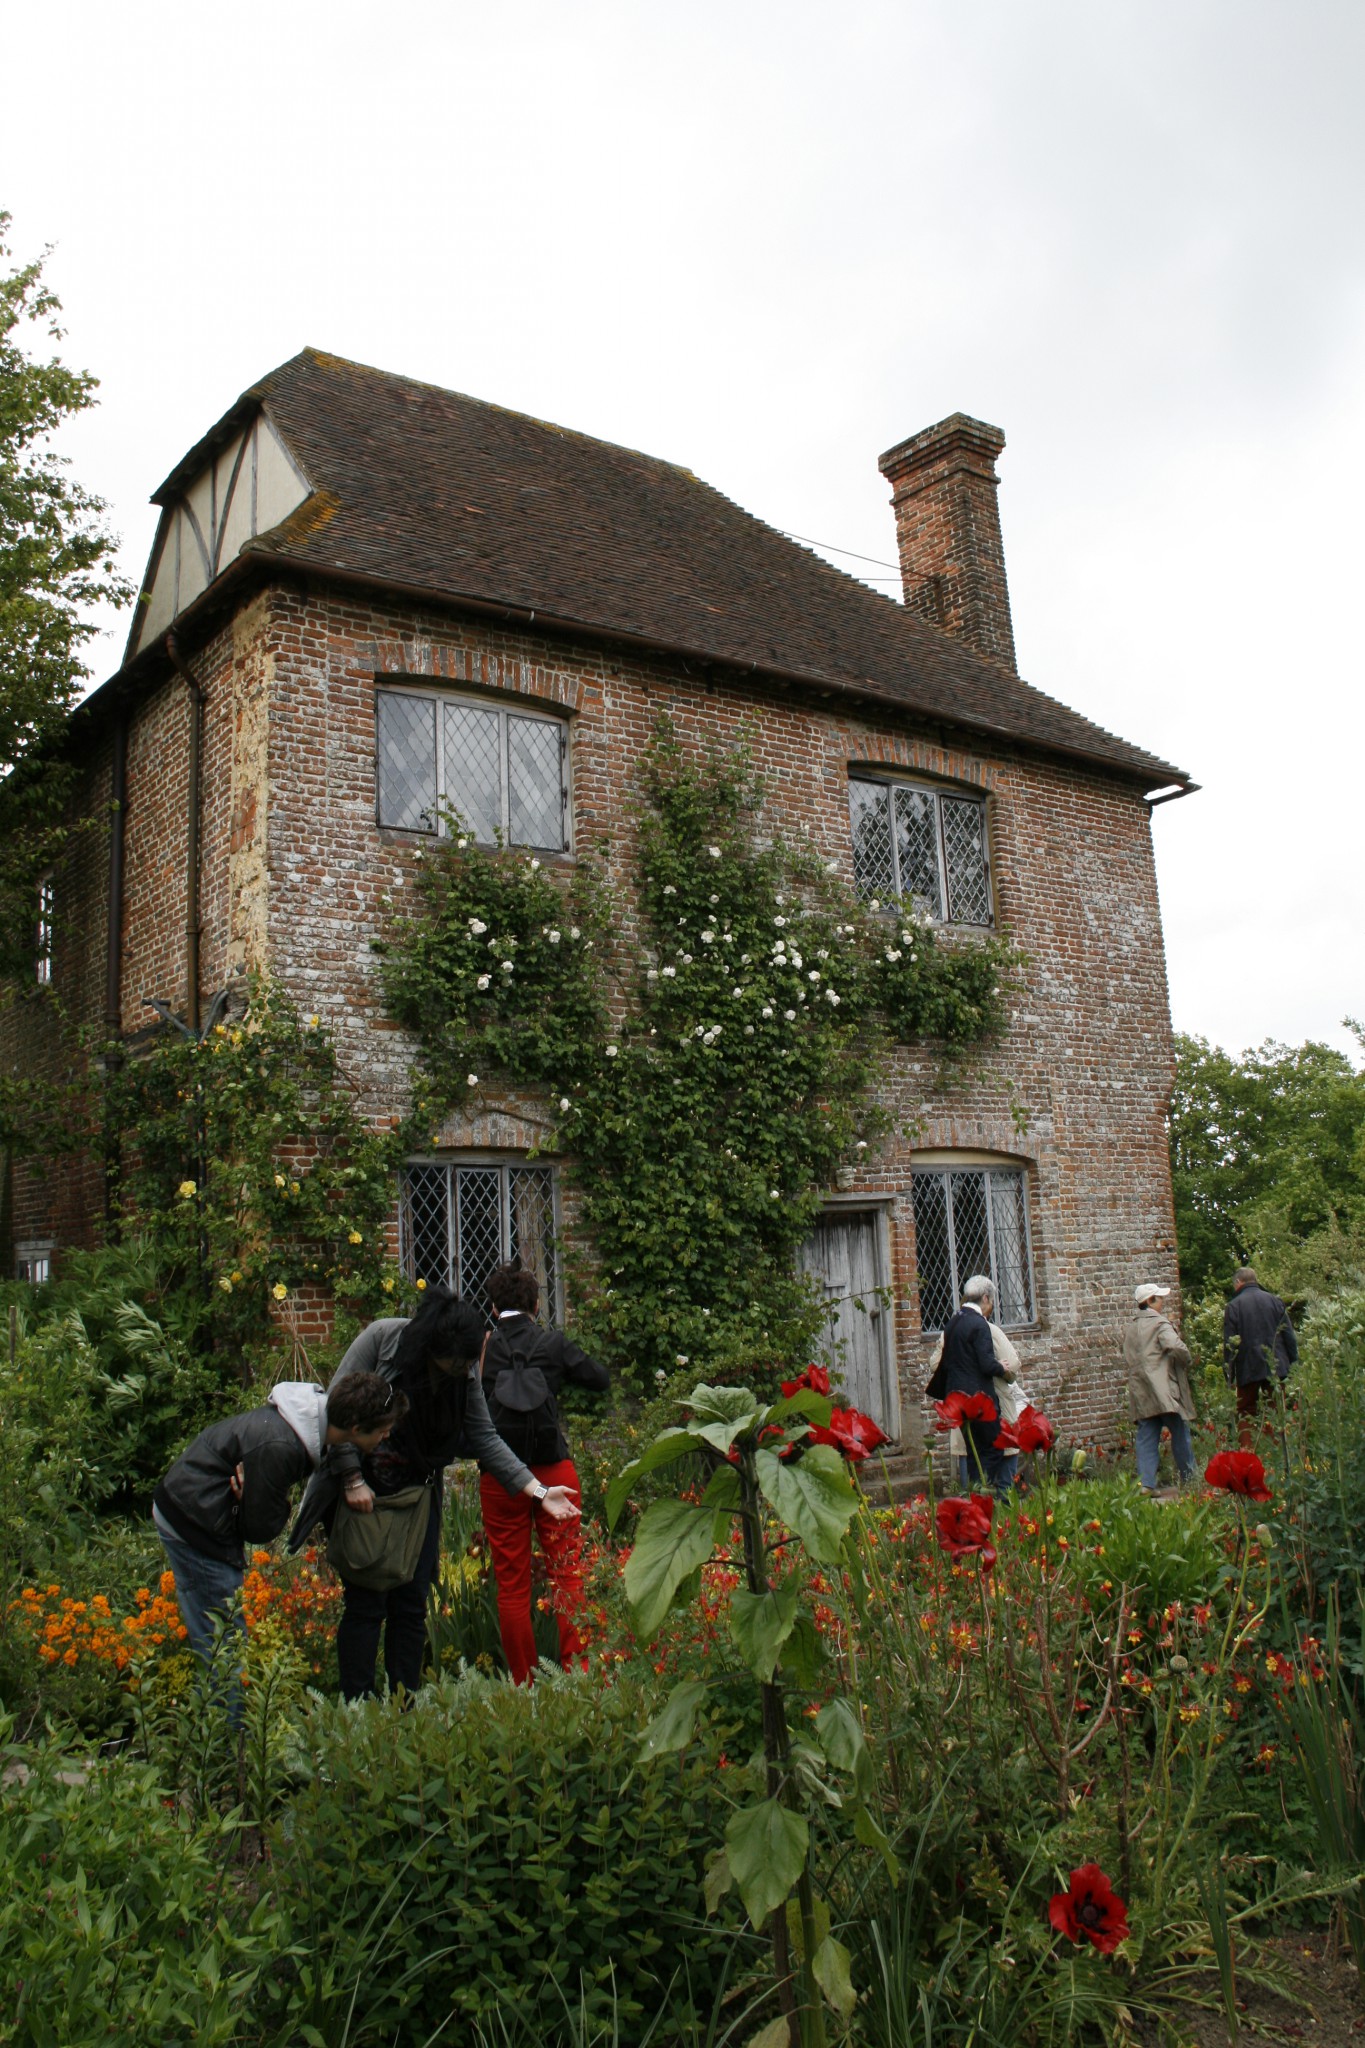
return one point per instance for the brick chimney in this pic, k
(943, 490)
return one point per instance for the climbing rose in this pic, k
(964, 1526)
(1090, 1910)
(1030, 1431)
(815, 1378)
(960, 1408)
(1238, 1472)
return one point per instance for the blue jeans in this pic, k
(967, 1473)
(209, 1596)
(401, 1613)
(1149, 1446)
(985, 1460)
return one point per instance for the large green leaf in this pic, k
(673, 1725)
(760, 1623)
(665, 1450)
(805, 1402)
(673, 1539)
(717, 1881)
(721, 1404)
(766, 1846)
(831, 1964)
(722, 1490)
(842, 1739)
(720, 1435)
(813, 1495)
(803, 1654)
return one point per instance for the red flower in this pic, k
(960, 1408)
(851, 1432)
(1030, 1431)
(964, 1526)
(1238, 1472)
(1090, 1910)
(815, 1377)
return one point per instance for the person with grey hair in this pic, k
(968, 1365)
(1257, 1336)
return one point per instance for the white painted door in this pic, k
(843, 1253)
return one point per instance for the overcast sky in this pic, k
(770, 240)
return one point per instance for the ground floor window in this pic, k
(458, 1220)
(972, 1219)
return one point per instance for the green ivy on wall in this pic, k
(709, 1040)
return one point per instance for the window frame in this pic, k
(504, 1164)
(939, 791)
(943, 1171)
(496, 704)
(44, 928)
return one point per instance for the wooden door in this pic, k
(844, 1255)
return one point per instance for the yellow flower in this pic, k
(279, 1180)
(236, 1276)
(388, 1287)
(312, 1023)
(421, 1286)
(187, 1190)
(279, 1290)
(226, 1284)
(293, 1187)
(354, 1238)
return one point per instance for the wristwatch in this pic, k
(539, 1491)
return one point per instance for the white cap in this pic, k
(1148, 1291)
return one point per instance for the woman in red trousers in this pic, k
(524, 1367)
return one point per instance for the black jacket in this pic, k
(1257, 1334)
(558, 1359)
(969, 1363)
(196, 1494)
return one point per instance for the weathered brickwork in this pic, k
(296, 873)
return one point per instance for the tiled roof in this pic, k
(446, 495)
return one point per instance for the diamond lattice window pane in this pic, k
(964, 838)
(407, 761)
(532, 1216)
(933, 1250)
(534, 785)
(917, 850)
(424, 1224)
(971, 1226)
(479, 1222)
(869, 814)
(1010, 1269)
(473, 770)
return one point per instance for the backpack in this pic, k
(523, 1409)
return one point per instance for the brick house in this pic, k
(366, 591)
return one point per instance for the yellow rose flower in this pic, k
(355, 1238)
(421, 1286)
(226, 1284)
(279, 1290)
(187, 1190)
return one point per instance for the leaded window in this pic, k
(43, 946)
(972, 1219)
(458, 1221)
(505, 772)
(928, 845)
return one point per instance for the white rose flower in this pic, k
(477, 925)
(669, 890)
(660, 1376)
(748, 1031)
(736, 992)
(796, 959)
(907, 938)
(507, 967)
(651, 974)
(708, 1038)
(831, 997)
(484, 980)
(668, 973)
(471, 1080)
(553, 937)
(612, 1052)
(700, 1031)
(574, 932)
(682, 1358)
(862, 1144)
(767, 1009)
(563, 1102)
(714, 852)
(715, 899)
(774, 1193)
(790, 1016)
(779, 920)
(814, 974)
(874, 904)
(891, 955)
(686, 959)
(708, 938)
(534, 865)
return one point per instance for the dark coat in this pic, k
(558, 1360)
(196, 1495)
(1257, 1334)
(969, 1363)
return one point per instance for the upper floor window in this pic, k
(928, 845)
(505, 772)
(458, 1221)
(43, 936)
(972, 1219)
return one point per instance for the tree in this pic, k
(1267, 1161)
(55, 553)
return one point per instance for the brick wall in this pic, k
(295, 863)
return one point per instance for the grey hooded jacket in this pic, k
(276, 1446)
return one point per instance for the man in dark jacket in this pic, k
(968, 1366)
(232, 1487)
(1258, 1338)
(524, 1367)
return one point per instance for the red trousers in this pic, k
(508, 1520)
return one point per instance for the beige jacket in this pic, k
(1011, 1398)
(1157, 1361)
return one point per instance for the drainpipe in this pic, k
(196, 703)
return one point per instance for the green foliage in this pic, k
(1172, 1554)
(115, 1922)
(537, 1864)
(708, 1039)
(1268, 1161)
(249, 1173)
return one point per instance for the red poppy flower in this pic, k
(1030, 1431)
(960, 1408)
(1090, 1910)
(854, 1434)
(815, 1377)
(964, 1526)
(988, 1558)
(1238, 1472)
